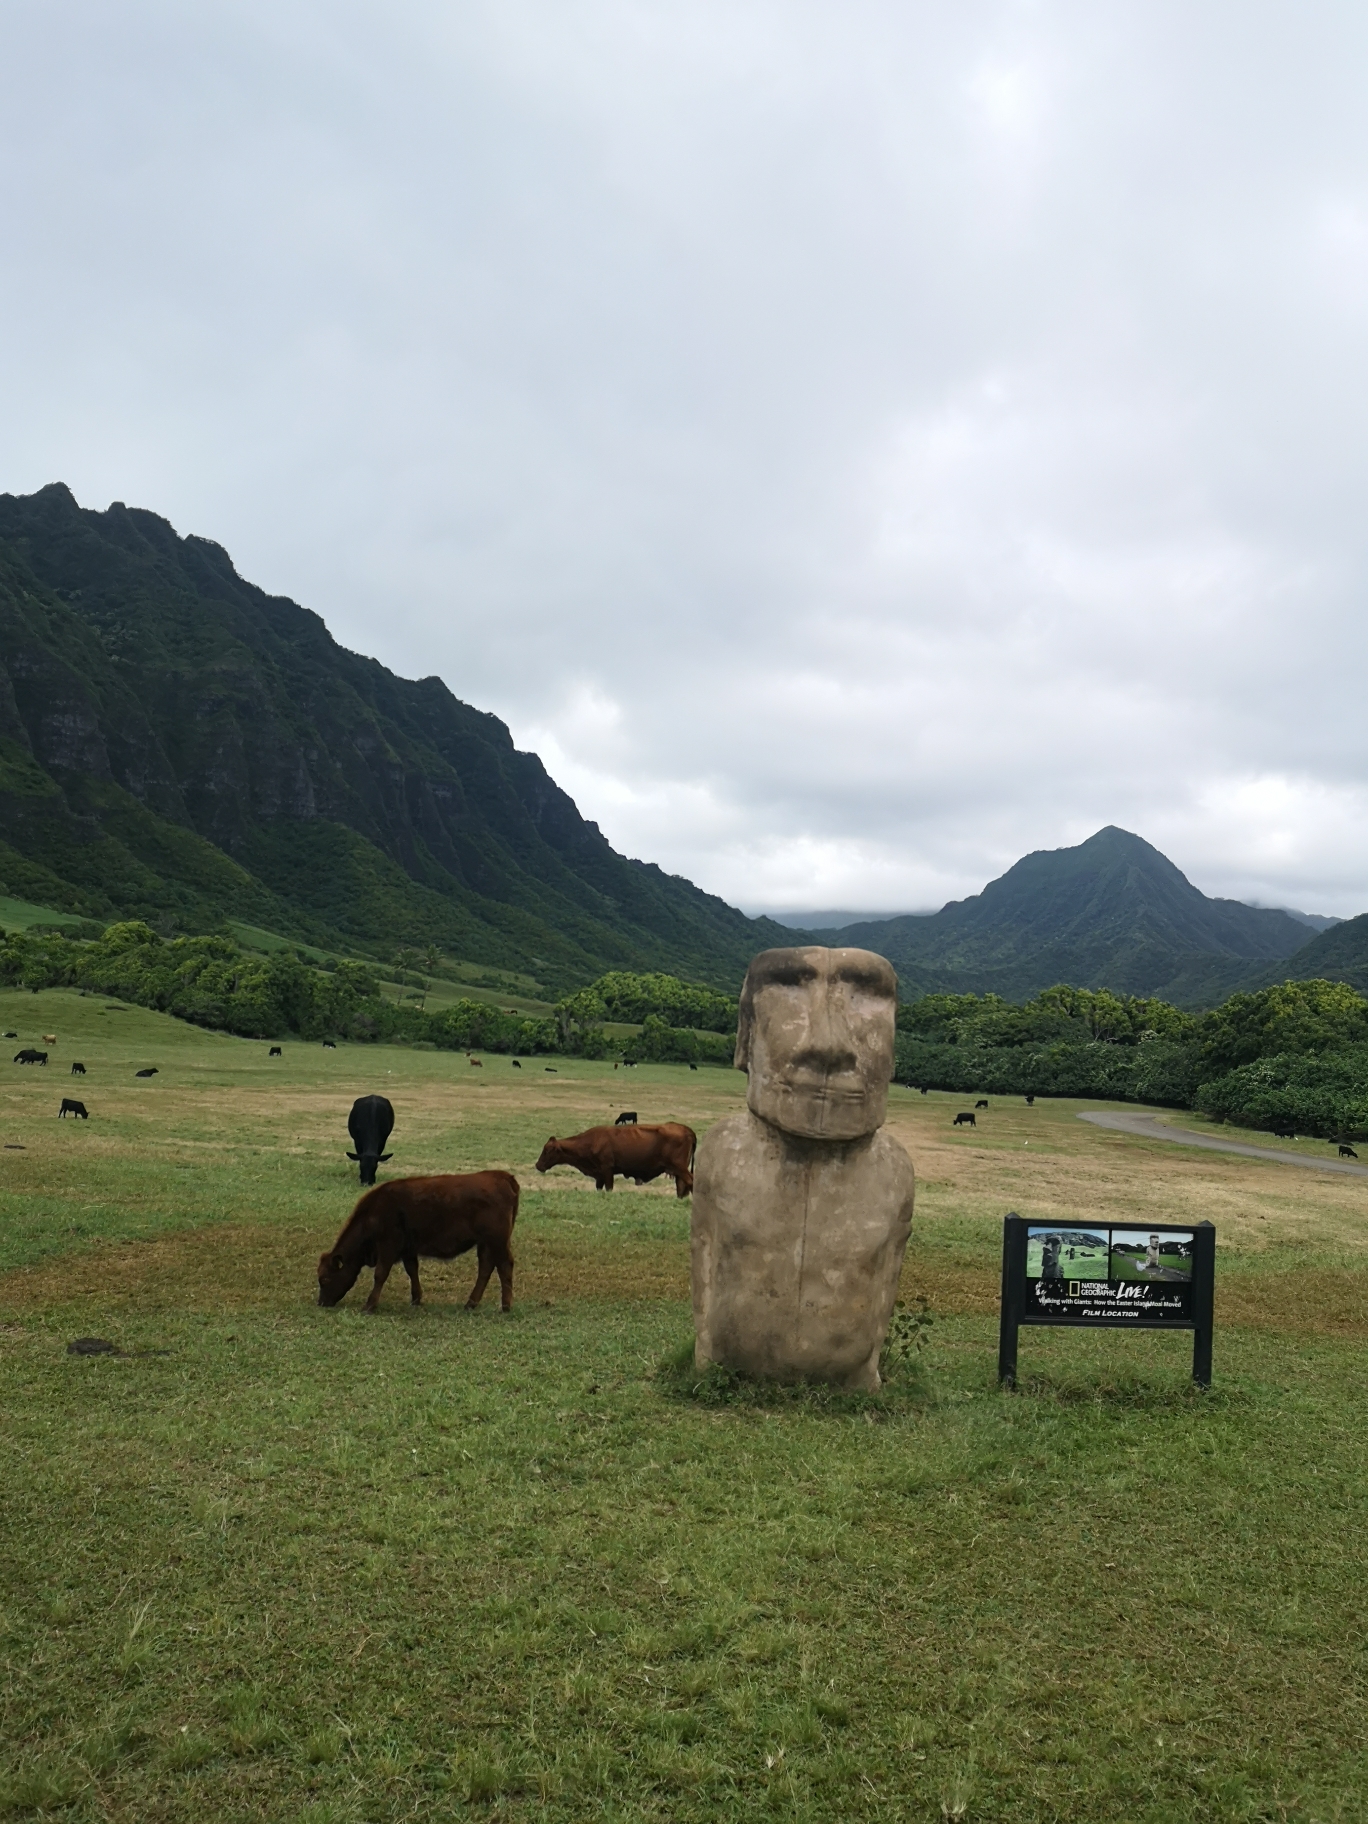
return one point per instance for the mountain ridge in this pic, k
(1109, 912)
(175, 741)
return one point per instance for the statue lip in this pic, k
(828, 1089)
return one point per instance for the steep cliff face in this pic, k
(240, 761)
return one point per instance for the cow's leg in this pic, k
(486, 1259)
(411, 1268)
(384, 1261)
(506, 1280)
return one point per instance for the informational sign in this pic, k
(1089, 1274)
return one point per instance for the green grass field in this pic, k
(273, 1562)
(22, 915)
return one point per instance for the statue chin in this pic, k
(817, 1112)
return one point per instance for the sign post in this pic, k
(1106, 1275)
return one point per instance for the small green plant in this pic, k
(908, 1332)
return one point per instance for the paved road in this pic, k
(1153, 1127)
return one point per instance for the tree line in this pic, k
(1294, 1056)
(214, 982)
(1291, 1057)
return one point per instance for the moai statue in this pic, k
(801, 1207)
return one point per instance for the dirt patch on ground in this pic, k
(234, 1267)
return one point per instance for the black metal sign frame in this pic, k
(1107, 1275)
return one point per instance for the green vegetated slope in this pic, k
(174, 742)
(1111, 913)
(292, 992)
(1340, 955)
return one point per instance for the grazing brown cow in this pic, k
(433, 1218)
(640, 1153)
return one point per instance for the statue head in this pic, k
(815, 1035)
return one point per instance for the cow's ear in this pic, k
(353, 1155)
(385, 1156)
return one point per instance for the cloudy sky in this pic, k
(854, 445)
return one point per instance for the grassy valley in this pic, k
(274, 1562)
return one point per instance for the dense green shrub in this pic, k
(633, 999)
(1078, 1015)
(1323, 1094)
(659, 1043)
(1155, 1071)
(1293, 1019)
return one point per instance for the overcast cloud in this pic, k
(853, 445)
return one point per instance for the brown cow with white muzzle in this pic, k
(639, 1152)
(433, 1218)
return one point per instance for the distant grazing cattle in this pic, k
(72, 1108)
(626, 1119)
(1347, 1152)
(77, 1070)
(413, 1219)
(146, 1073)
(516, 1064)
(981, 1104)
(11, 1035)
(639, 1153)
(1283, 1133)
(476, 1063)
(964, 1121)
(1030, 1101)
(923, 1092)
(49, 1038)
(550, 1070)
(693, 1067)
(275, 1052)
(370, 1124)
(328, 1045)
(29, 1056)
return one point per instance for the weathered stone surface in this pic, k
(802, 1208)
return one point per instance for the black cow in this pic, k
(10, 1035)
(275, 1052)
(980, 1104)
(29, 1056)
(328, 1045)
(693, 1067)
(516, 1064)
(72, 1108)
(1030, 1101)
(964, 1121)
(78, 1070)
(370, 1124)
(1347, 1152)
(146, 1073)
(923, 1092)
(628, 1118)
(550, 1070)
(1283, 1133)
